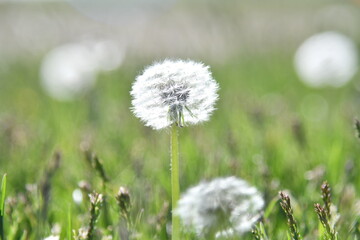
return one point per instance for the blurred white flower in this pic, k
(52, 237)
(224, 206)
(181, 92)
(108, 55)
(70, 70)
(77, 196)
(327, 58)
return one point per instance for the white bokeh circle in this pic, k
(326, 59)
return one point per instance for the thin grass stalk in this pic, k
(2, 206)
(2, 235)
(175, 188)
(96, 201)
(69, 232)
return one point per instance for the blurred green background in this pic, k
(269, 128)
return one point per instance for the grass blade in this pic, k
(2, 206)
(69, 230)
(3, 192)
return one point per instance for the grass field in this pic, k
(269, 129)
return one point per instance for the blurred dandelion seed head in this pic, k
(182, 92)
(326, 59)
(227, 206)
(70, 70)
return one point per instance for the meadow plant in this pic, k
(96, 200)
(222, 207)
(326, 213)
(286, 206)
(45, 184)
(124, 203)
(324, 219)
(326, 196)
(174, 93)
(259, 232)
(94, 161)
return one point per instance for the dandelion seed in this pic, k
(328, 58)
(181, 92)
(224, 206)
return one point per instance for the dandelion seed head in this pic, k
(229, 200)
(182, 92)
(67, 71)
(71, 69)
(326, 59)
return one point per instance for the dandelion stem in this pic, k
(175, 189)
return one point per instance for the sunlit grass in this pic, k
(251, 135)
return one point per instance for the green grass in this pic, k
(250, 136)
(2, 206)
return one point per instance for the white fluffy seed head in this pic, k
(181, 92)
(224, 206)
(71, 69)
(326, 59)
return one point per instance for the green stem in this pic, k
(107, 220)
(175, 188)
(2, 235)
